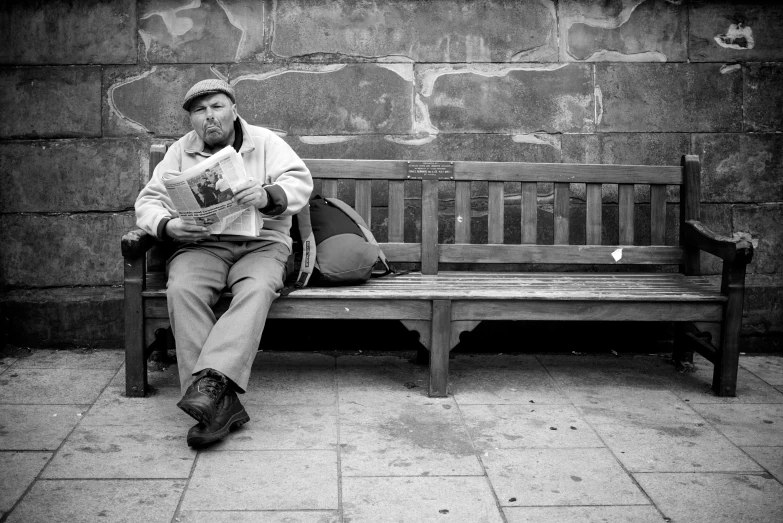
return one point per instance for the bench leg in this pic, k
(135, 362)
(439, 348)
(724, 378)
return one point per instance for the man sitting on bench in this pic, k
(215, 355)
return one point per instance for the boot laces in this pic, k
(212, 386)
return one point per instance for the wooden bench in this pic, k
(655, 282)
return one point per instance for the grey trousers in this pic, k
(197, 274)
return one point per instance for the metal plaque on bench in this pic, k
(430, 170)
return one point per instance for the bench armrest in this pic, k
(137, 242)
(729, 249)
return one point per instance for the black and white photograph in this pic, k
(479, 261)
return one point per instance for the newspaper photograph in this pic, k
(203, 195)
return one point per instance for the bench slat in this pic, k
(329, 188)
(364, 200)
(495, 213)
(586, 311)
(625, 197)
(595, 287)
(593, 217)
(396, 211)
(503, 171)
(566, 254)
(429, 226)
(562, 211)
(462, 213)
(529, 212)
(657, 214)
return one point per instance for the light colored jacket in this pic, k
(267, 158)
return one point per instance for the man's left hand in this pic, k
(251, 193)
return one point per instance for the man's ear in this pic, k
(234, 111)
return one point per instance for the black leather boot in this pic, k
(203, 396)
(230, 415)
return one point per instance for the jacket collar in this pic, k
(195, 145)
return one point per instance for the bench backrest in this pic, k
(361, 177)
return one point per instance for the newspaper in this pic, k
(203, 195)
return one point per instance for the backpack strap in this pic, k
(356, 217)
(308, 251)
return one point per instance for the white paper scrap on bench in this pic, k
(617, 255)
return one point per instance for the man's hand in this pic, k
(181, 231)
(251, 193)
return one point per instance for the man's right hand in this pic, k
(181, 231)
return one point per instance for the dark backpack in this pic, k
(333, 245)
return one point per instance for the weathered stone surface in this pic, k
(67, 32)
(80, 249)
(727, 31)
(715, 498)
(505, 98)
(20, 469)
(93, 501)
(327, 99)
(763, 307)
(763, 97)
(651, 31)
(544, 148)
(718, 218)
(444, 31)
(82, 317)
(740, 167)
(628, 149)
(668, 98)
(142, 100)
(763, 222)
(58, 176)
(38, 427)
(50, 102)
(172, 31)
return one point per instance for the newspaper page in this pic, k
(203, 195)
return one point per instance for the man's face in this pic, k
(212, 117)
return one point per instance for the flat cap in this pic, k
(210, 86)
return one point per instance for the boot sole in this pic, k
(194, 413)
(236, 421)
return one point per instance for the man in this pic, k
(215, 356)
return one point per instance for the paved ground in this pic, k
(354, 438)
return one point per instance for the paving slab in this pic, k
(283, 427)
(771, 458)
(560, 477)
(384, 380)
(291, 386)
(746, 425)
(158, 409)
(408, 446)
(715, 498)
(293, 360)
(502, 379)
(659, 433)
(99, 501)
(623, 514)
(263, 480)
(37, 427)
(53, 386)
(19, 470)
(72, 359)
(119, 452)
(769, 368)
(527, 426)
(382, 408)
(267, 516)
(423, 500)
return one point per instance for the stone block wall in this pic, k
(89, 85)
